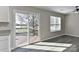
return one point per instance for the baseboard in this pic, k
(71, 35)
(52, 37)
(58, 36)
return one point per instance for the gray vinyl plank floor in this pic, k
(61, 39)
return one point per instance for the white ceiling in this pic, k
(59, 9)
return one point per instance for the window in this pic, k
(55, 23)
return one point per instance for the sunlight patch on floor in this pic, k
(55, 44)
(58, 49)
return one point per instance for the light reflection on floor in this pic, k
(59, 47)
(54, 44)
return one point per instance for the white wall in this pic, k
(4, 13)
(44, 22)
(72, 24)
(4, 25)
(4, 19)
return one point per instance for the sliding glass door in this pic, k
(27, 28)
(34, 28)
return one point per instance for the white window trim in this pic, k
(55, 30)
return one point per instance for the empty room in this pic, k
(39, 28)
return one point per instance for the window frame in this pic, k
(54, 24)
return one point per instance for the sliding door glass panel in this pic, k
(34, 27)
(21, 29)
